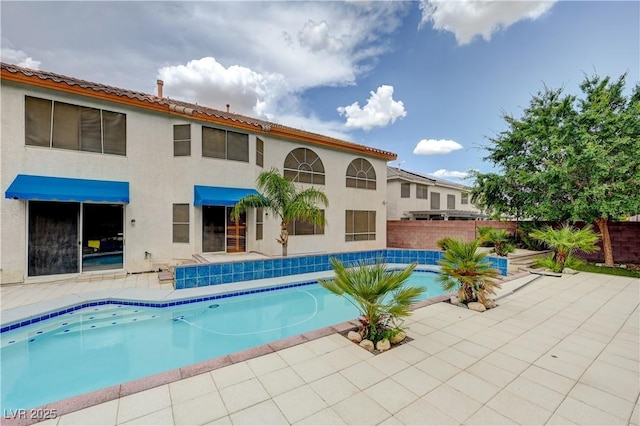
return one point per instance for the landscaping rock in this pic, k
(454, 300)
(569, 271)
(461, 305)
(383, 345)
(398, 337)
(367, 344)
(490, 304)
(476, 306)
(354, 336)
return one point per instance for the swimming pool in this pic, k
(100, 346)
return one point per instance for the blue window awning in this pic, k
(47, 188)
(219, 196)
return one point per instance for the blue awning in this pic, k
(47, 188)
(219, 196)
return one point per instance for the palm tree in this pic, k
(281, 197)
(465, 268)
(379, 294)
(565, 241)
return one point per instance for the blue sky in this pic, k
(427, 80)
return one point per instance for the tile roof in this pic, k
(181, 106)
(397, 173)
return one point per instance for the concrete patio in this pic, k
(558, 351)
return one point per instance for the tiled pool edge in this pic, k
(212, 274)
(100, 396)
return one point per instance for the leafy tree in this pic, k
(281, 197)
(466, 269)
(380, 294)
(568, 158)
(564, 242)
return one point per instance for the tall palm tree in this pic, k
(280, 197)
(565, 241)
(465, 268)
(380, 294)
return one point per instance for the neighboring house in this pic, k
(97, 178)
(412, 196)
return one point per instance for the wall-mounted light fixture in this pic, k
(133, 222)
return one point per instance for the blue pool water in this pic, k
(101, 346)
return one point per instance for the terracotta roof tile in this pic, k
(152, 99)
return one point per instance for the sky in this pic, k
(428, 80)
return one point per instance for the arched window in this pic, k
(304, 165)
(361, 174)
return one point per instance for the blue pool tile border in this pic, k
(190, 276)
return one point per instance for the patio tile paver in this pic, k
(232, 374)
(360, 409)
(604, 401)
(264, 413)
(473, 386)
(420, 412)
(438, 368)
(299, 403)
(390, 395)
(200, 410)
(416, 380)
(518, 409)
(242, 395)
(324, 417)
(191, 388)
(281, 381)
(614, 380)
(584, 414)
(452, 402)
(143, 403)
(101, 414)
(158, 418)
(487, 416)
(536, 393)
(334, 388)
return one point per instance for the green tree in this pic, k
(566, 241)
(568, 158)
(467, 270)
(380, 294)
(280, 197)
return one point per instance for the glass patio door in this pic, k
(236, 233)
(53, 238)
(220, 233)
(102, 237)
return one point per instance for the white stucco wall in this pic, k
(157, 180)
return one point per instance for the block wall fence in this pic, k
(423, 235)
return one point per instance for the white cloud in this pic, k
(443, 173)
(209, 83)
(380, 110)
(18, 57)
(436, 146)
(317, 38)
(470, 18)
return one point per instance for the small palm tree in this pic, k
(498, 238)
(281, 197)
(566, 241)
(380, 294)
(465, 268)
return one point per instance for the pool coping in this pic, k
(110, 393)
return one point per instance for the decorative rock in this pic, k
(490, 304)
(367, 344)
(569, 271)
(354, 336)
(454, 300)
(476, 306)
(383, 345)
(399, 337)
(461, 305)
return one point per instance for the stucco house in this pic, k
(413, 196)
(97, 178)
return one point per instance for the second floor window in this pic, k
(361, 174)
(299, 227)
(56, 124)
(451, 202)
(405, 190)
(464, 198)
(225, 144)
(181, 140)
(259, 152)
(422, 192)
(435, 201)
(304, 166)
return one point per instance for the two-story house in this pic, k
(98, 178)
(412, 196)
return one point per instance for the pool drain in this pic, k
(215, 305)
